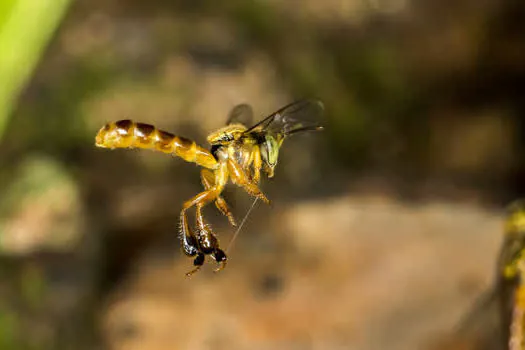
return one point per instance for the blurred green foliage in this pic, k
(8, 328)
(25, 28)
(33, 286)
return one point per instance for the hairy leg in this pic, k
(197, 244)
(190, 245)
(208, 181)
(208, 242)
(240, 178)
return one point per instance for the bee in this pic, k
(238, 153)
(512, 278)
(497, 320)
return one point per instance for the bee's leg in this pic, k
(200, 200)
(203, 198)
(188, 240)
(220, 257)
(190, 245)
(240, 178)
(211, 193)
(208, 180)
(257, 164)
(197, 262)
(208, 242)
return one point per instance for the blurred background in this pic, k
(383, 230)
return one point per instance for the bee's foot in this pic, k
(221, 267)
(221, 258)
(192, 272)
(198, 262)
(263, 198)
(231, 220)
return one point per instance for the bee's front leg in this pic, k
(239, 177)
(257, 164)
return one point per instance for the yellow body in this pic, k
(512, 272)
(237, 159)
(127, 134)
(238, 154)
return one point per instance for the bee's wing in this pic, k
(510, 287)
(241, 114)
(302, 115)
(479, 328)
(488, 323)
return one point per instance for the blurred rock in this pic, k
(41, 209)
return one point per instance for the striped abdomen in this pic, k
(127, 134)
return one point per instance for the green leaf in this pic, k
(25, 29)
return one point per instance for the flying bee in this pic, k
(511, 285)
(238, 153)
(497, 320)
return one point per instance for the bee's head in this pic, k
(270, 152)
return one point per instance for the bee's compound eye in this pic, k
(270, 151)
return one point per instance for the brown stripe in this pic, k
(144, 130)
(164, 141)
(123, 127)
(183, 142)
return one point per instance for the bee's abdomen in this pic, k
(128, 134)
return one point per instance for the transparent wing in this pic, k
(241, 114)
(302, 115)
(480, 328)
(510, 251)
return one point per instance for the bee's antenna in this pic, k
(241, 224)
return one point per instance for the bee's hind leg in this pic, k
(190, 245)
(197, 262)
(220, 257)
(203, 241)
(208, 242)
(208, 180)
